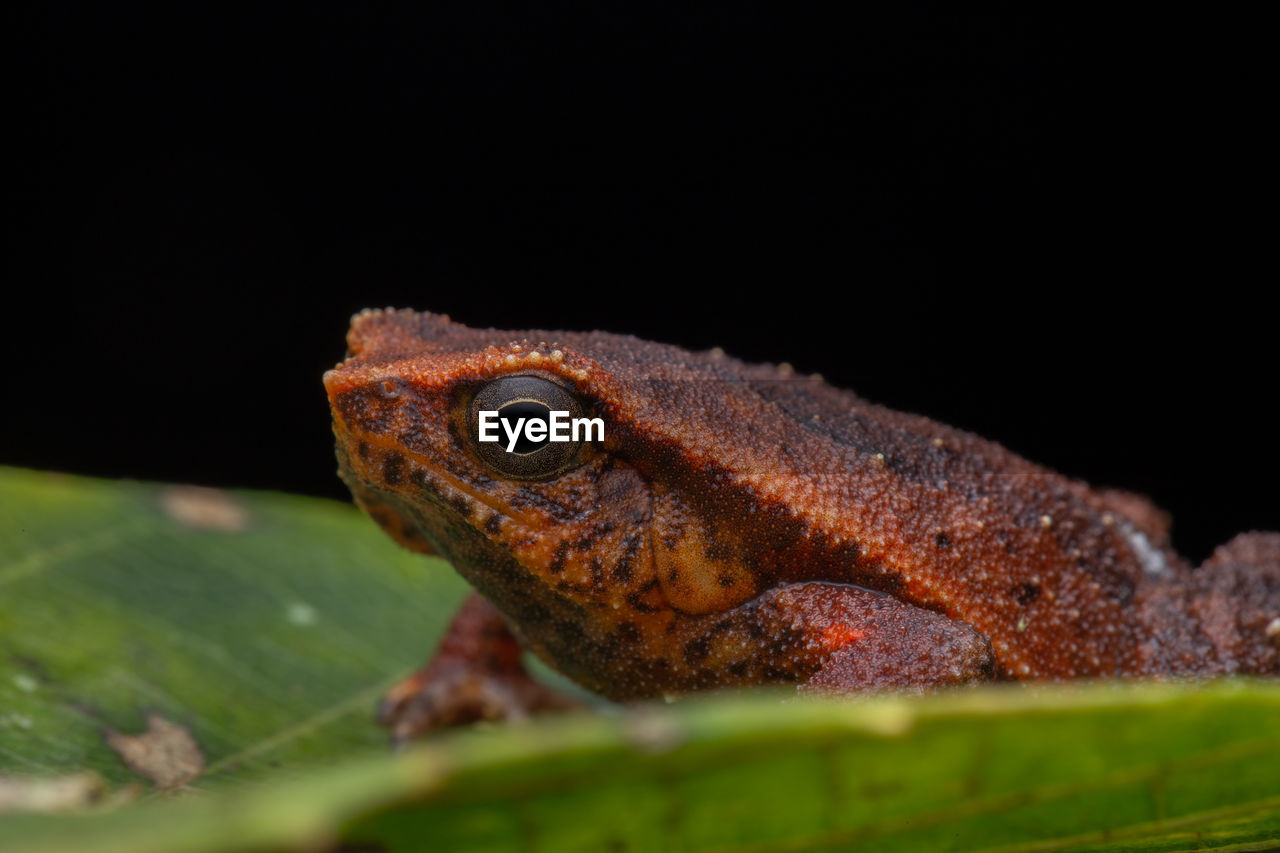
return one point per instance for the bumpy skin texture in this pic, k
(741, 524)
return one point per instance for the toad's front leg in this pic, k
(875, 642)
(477, 673)
(824, 637)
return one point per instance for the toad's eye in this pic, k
(520, 441)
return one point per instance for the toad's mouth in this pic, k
(424, 479)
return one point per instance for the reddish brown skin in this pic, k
(741, 524)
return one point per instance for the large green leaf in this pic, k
(262, 628)
(267, 625)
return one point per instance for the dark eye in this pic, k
(518, 402)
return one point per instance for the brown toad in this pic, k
(739, 524)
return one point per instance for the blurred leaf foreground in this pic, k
(183, 669)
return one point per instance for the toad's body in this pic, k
(740, 524)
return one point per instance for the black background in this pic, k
(1048, 230)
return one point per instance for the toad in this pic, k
(740, 524)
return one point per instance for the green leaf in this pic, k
(266, 626)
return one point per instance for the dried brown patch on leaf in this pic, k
(204, 508)
(165, 753)
(60, 794)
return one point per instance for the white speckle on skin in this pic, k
(1273, 629)
(1153, 562)
(25, 683)
(301, 613)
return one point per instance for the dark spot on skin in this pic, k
(635, 601)
(460, 506)
(779, 647)
(597, 571)
(583, 544)
(724, 580)
(772, 673)
(607, 648)
(571, 634)
(885, 584)
(454, 434)
(622, 569)
(534, 613)
(1026, 593)
(628, 633)
(943, 540)
(738, 669)
(418, 477)
(718, 551)
(493, 524)
(558, 558)
(674, 574)
(720, 627)
(1119, 589)
(363, 450)
(393, 468)
(932, 606)
(528, 497)
(564, 586)
(696, 651)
